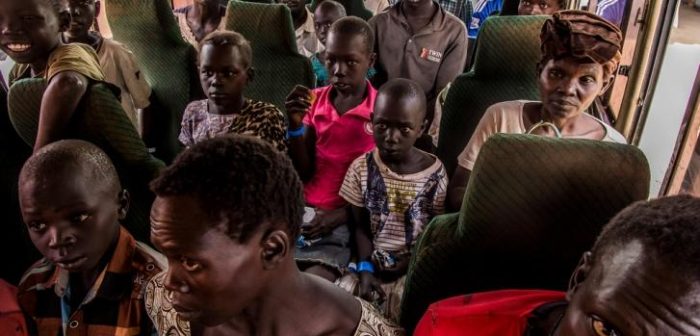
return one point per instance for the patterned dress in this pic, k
(258, 119)
(169, 323)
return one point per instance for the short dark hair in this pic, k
(332, 5)
(242, 178)
(65, 154)
(353, 25)
(668, 228)
(230, 38)
(404, 89)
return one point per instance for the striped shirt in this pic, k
(399, 205)
(113, 306)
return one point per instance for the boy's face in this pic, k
(629, 292)
(323, 19)
(30, 29)
(222, 74)
(347, 61)
(82, 13)
(211, 276)
(538, 7)
(72, 218)
(397, 124)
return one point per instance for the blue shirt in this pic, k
(482, 10)
(612, 10)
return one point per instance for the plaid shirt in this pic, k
(460, 8)
(113, 306)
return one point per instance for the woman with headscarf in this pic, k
(580, 53)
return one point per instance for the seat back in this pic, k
(101, 120)
(352, 8)
(14, 241)
(504, 68)
(276, 60)
(148, 28)
(533, 206)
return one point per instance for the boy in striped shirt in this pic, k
(394, 191)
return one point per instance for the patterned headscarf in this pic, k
(580, 34)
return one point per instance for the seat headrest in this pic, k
(268, 27)
(508, 46)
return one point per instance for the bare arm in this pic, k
(363, 233)
(302, 149)
(58, 104)
(456, 188)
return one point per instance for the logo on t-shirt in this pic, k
(368, 128)
(431, 55)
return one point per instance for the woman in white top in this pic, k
(580, 53)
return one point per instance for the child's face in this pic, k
(82, 14)
(397, 124)
(323, 19)
(211, 276)
(347, 61)
(30, 29)
(222, 74)
(72, 218)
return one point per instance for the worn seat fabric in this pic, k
(148, 28)
(276, 60)
(532, 207)
(504, 68)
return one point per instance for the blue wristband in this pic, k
(291, 134)
(365, 266)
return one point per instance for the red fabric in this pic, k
(12, 321)
(498, 313)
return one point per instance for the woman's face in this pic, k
(569, 85)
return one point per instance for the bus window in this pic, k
(668, 129)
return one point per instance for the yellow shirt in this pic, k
(77, 57)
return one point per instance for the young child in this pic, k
(32, 38)
(93, 275)
(326, 13)
(118, 63)
(227, 214)
(225, 68)
(394, 191)
(303, 21)
(328, 128)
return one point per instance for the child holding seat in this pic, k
(393, 191)
(93, 276)
(328, 128)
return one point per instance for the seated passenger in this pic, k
(32, 38)
(326, 13)
(394, 191)
(580, 53)
(200, 19)
(420, 41)
(303, 21)
(118, 63)
(640, 278)
(541, 7)
(329, 127)
(227, 215)
(225, 68)
(93, 276)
